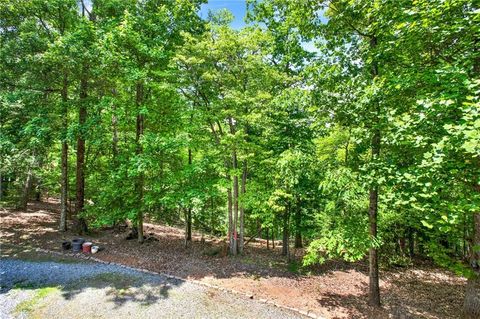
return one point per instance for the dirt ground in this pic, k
(333, 290)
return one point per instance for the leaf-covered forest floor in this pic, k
(333, 290)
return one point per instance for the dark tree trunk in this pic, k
(64, 175)
(273, 238)
(298, 240)
(80, 223)
(139, 150)
(298, 225)
(374, 286)
(268, 239)
(286, 233)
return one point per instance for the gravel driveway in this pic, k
(54, 288)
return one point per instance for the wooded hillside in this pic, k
(367, 146)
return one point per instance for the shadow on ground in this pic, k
(30, 270)
(336, 289)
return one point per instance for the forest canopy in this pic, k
(367, 146)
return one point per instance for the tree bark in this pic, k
(27, 188)
(230, 219)
(242, 208)
(64, 172)
(286, 233)
(114, 132)
(189, 212)
(411, 242)
(273, 238)
(471, 303)
(268, 239)
(80, 223)
(139, 150)
(374, 285)
(235, 203)
(234, 247)
(298, 224)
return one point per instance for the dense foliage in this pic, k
(369, 144)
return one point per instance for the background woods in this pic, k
(350, 128)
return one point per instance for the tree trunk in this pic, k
(139, 150)
(273, 238)
(235, 203)
(374, 285)
(114, 133)
(411, 242)
(80, 224)
(471, 303)
(242, 208)
(189, 224)
(230, 219)
(27, 188)
(286, 233)
(64, 175)
(268, 239)
(298, 224)
(189, 212)
(186, 212)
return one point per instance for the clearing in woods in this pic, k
(333, 290)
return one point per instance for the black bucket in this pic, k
(77, 244)
(66, 245)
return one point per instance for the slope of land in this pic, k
(333, 290)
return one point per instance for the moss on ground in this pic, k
(33, 303)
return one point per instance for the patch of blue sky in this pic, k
(237, 7)
(239, 11)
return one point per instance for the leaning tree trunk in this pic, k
(80, 223)
(64, 177)
(139, 150)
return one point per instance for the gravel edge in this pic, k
(308, 314)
